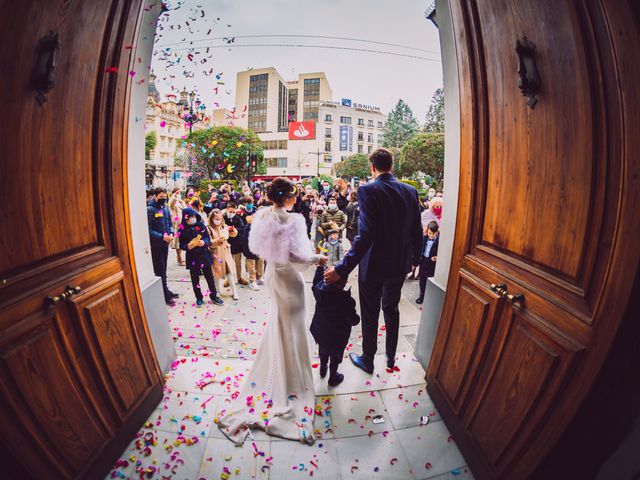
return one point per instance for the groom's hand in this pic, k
(331, 276)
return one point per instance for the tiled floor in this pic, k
(370, 426)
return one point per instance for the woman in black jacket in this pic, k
(195, 240)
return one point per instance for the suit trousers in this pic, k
(159, 254)
(426, 271)
(373, 295)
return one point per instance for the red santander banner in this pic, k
(302, 130)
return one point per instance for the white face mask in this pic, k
(231, 215)
(332, 208)
(192, 221)
(217, 222)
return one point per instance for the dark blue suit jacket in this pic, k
(389, 239)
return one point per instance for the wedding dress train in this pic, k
(278, 394)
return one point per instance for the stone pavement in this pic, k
(367, 427)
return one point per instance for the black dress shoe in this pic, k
(337, 380)
(170, 302)
(360, 362)
(391, 362)
(419, 300)
(173, 295)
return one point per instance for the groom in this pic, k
(388, 243)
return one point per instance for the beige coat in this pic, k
(176, 205)
(221, 251)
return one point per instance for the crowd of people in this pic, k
(232, 235)
(209, 231)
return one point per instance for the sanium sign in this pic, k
(302, 130)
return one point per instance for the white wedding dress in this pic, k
(278, 394)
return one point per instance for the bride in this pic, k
(278, 394)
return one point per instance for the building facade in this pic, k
(272, 104)
(165, 118)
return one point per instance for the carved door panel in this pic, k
(78, 373)
(543, 207)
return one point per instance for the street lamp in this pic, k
(192, 117)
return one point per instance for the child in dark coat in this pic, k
(195, 240)
(334, 316)
(429, 256)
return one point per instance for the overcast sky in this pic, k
(369, 78)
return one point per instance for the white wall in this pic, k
(137, 115)
(451, 142)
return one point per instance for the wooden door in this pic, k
(548, 208)
(78, 374)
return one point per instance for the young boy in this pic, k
(333, 318)
(429, 256)
(333, 247)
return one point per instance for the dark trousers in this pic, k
(426, 271)
(159, 254)
(373, 294)
(208, 276)
(336, 358)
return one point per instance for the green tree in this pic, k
(434, 121)
(353, 166)
(423, 154)
(222, 152)
(150, 142)
(401, 125)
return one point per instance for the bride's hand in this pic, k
(322, 260)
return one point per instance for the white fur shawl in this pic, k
(280, 237)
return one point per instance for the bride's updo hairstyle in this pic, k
(280, 190)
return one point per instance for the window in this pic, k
(327, 118)
(328, 157)
(327, 146)
(361, 122)
(310, 115)
(370, 123)
(327, 133)
(280, 162)
(379, 124)
(370, 137)
(369, 149)
(360, 148)
(274, 144)
(360, 137)
(345, 120)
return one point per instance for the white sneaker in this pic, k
(260, 282)
(254, 287)
(236, 296)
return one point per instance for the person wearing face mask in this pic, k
(176, 205)
(432, 193)
(308, 206)
(333, 218)
(223, 265)
(195, 240)
(198, 206)
(434, 213)
(254, 264)
(161, 235)
(249, 207)
(326, 191)
(235, 223)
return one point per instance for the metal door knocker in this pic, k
(528, 78)
(44, 73)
